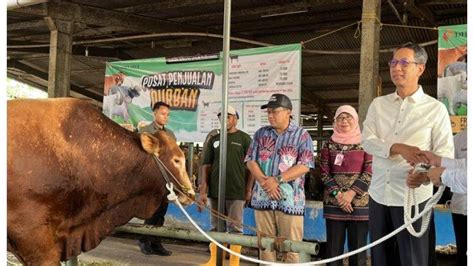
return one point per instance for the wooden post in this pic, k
(59, 57)
(369, 55)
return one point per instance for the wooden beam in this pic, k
(44, 76)
(26, 25)
(77, 50)
(300, 20)
(170, 4)
(442, 2)
(421, 12)
(243, 13)
(103, 17)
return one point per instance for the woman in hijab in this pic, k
(346, 171)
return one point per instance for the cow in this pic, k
(448, 56)
(113, 80)
(452, 88)
(74, 175)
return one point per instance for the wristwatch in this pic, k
(335, 192)
(279, 178)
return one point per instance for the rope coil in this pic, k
(410, 200)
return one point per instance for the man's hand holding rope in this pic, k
(415, 180)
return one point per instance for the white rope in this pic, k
(429, 205)
(410, 200)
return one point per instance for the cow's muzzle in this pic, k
(187, 197)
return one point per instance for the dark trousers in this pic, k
(356, 238)
(432, 261)
(402, 249)
(460, 231)
(157, 219)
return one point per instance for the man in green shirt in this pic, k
(238, 179)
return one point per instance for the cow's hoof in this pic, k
(145, 247)
(159, 250)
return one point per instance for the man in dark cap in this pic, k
(151, 244)
(278, 158)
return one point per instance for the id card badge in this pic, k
(339, 159)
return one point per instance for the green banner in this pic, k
(452, 68)
(192, 86)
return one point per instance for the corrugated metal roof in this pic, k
(322, 73)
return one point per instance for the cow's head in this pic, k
(165, 147)
(119, 78)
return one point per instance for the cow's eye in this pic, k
(176, 160)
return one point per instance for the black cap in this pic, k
(277, 100)
(158, 104)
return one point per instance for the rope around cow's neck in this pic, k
(165, 172)
(429, 205)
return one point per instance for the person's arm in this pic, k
(361, 184)
(270, 185)
(456, 179)
(304, 161)
(294, 172)
(250, 180)
(325, 167)
(442, 136)
(409, 153)
(256, 172)
(203, 182)
(453, 164)
(371, 141)
(203, 185)
(379, 147)
(208, 158)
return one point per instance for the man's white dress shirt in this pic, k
(418, 120)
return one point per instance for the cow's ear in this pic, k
(150, 143)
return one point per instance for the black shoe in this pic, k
(159, 250)
(145, 247)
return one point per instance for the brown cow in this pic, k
(448, 56)
(115, 79)
(74, 175)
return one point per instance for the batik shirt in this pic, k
(275, 154)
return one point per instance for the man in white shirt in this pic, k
(397, 127)
(453, 173)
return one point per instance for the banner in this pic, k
(192, 86)
(452, 69)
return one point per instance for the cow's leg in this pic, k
(38, 247)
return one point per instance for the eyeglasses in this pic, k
(342, 118)
(403, 63)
